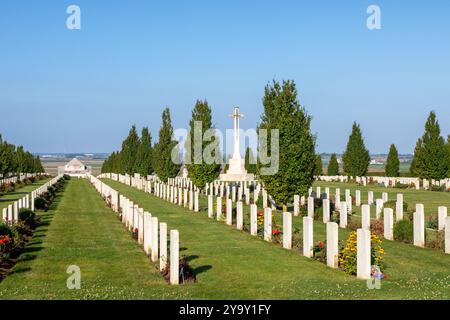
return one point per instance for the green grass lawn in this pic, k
(10, 197)
(230, 264)
(256, 266)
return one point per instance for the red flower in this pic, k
(275, 232)
(4, 240)
(135, 230)
(320, 244)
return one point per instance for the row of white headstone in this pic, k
(389, 181)
(363, 235)
(10, 214)
(180, 191)
(151, 234)
(19, 177)
(344, 208)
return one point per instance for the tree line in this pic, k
(14, 160)
(431, 155)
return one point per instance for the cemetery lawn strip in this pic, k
(81, 230)
(8, 198)
(231, 264)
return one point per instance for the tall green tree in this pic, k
(415, 168)
(356, 157)
(129, 150)
(163, 164)
(448, 151)
(392, 168)
(202, 170)
(319, 166)
(296, 144)
(431, 153)
(143, 164)
(333, 166)
(250, 161)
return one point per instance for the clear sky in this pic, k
(80, 90)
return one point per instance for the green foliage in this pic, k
(16, 160)
(319, 166)
(163, 164)
(431, 155)
(5, 230)
(297, 158)
(356, 157)
(129, 151)
(202, 170)
(448, 151)
(40, 203)
(143, 162)
(403, 231)
(392, 163)
(250, 161)
(333, 166)
(27, 216)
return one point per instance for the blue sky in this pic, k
(81, 90)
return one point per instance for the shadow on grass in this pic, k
(202, 269)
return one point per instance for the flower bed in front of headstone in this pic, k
(14, 237)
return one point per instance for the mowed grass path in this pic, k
(8, 198)
(241, 266)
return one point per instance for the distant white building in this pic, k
(75, 168)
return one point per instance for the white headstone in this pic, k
(268, 224)
(210, 206)
(219, 208)
(389, 224)
(358, 198)
(379, 208)
(253, 219)
(287, 230)
(308, 241)
(419, 228)
(442, 215)
(229, 216)
(370, 198)
(174, 257)
(296, 205)
(447, 235)
(326, 210)
(239, 215)
(332, 245)
(311, 207)
(343, 215)
(398, 211)
(365, 217)
(363, 259)
(162, 246)
(154, 239)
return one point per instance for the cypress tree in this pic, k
(202, 171)
(250, 161)
(129, 150)
(297, 158)
(431, 154)
(333, 166)
(143, 163)
(319, 166)
(162, 153)
(356, 157)
(392, 168)
(448, 151)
